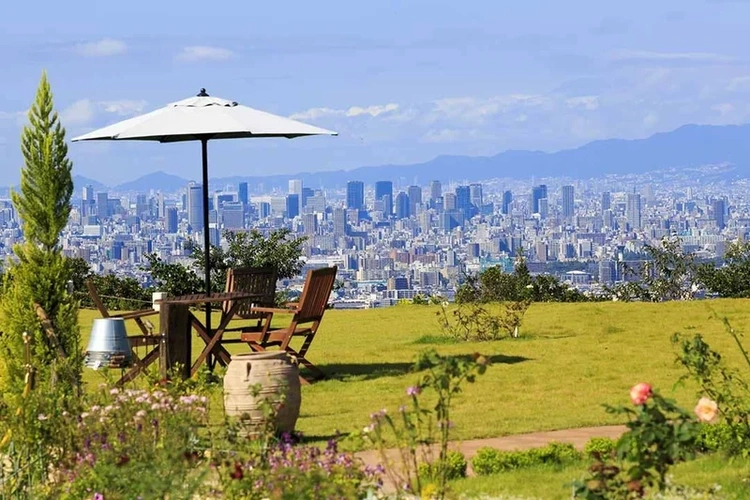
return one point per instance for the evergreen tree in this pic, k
(41, 273)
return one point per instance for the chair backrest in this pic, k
(259, 280)
(315, 294)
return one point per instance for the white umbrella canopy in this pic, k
(203, 118)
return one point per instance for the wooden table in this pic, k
(177, 320)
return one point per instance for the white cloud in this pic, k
(79, 113)
(354, 111)
(739, 83)
(471, 108)
(204, 53)
(645, 55)
(123, 107)
(723, 109)
(102, 48)
(18, 117)
(84, 111)
(589, 102)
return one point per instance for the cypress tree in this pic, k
(41, 272)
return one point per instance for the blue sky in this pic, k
(402, 81)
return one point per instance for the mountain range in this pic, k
(687, 146)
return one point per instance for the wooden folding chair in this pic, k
(256, 280)
(308, 313)
(147, 339)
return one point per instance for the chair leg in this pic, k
(140, 367)
(318, 374)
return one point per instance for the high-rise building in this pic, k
(507, 200)
(295, 187)
(102, 205)
(161, 206)
(88, 192)
(606, 201)
(233, 215)
(264, 209)
(475, 193)
(339, 222)
(634, 211)
(436, 191)
(415, 198)
(719, 212)
(306, 193)
(195, 206)
(355, 195)
(242, 193)
(310, 223)
(449, 201)
(537, 193)
(170, 220)
(568, 201)
(292, 206)
(402, 205)
(463, 201)
(543, 208)
(384, 191)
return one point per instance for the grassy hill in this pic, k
(571, 359)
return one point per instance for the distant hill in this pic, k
(687, 146)
(160, 181)
(80, 181)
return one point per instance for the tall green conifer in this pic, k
(40, 276)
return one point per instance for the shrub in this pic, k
(492, 461)
(455, 467)
(600, 447)
(722, 437)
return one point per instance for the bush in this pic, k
(455, 467)
(722, 437)
(492, 461)
(600, 447)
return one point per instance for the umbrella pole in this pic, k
(206, 240)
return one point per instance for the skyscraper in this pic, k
(102, 205)
(384, 189)
(537, 193)
(475, 192)
(568, 201)
(306, 193)
(606, 201)
(402, 205)
(339, 222)
(195, 206)
(436, 190)
(242, 193)
(355, 195)
(292, 205)
(463, 201)
(161, 206)
(719, 211)
(170, 219)
(415, 198)
(634, 211)
(507, 200)
(295, 187)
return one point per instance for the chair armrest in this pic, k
(273, 310)
(292, 305)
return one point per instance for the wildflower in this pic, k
(368, 428)
(402, 409)
(140, 414)
(42, 416)
(114, 391)
(706, 409)
(98, 496)
(413, 390)
(640, 393)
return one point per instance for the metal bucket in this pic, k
(108, 346)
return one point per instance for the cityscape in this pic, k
(393, 241)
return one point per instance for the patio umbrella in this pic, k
(203, 118)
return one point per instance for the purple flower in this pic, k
(413, 390)
(98, 496)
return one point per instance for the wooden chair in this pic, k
(257, 280)
(147, 339)
(308, 313)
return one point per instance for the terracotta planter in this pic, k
(276, 377)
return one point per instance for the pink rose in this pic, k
(640, 393)
(706, 409)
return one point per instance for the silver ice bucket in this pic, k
(108, 346)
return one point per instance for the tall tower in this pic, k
(384, 191)
(507, 200)
(606, 201)
(295, 187)
(634, 211)
(436, 190)
(242, 193)
(195, 206)
(475, 193)
(355, 195)
(568, 201)
(415, 198)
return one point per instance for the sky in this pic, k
(401, 81)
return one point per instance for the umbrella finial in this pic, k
(203, 93)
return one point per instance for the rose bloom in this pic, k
(706, 409)
(640, 393)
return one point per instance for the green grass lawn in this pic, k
(572, 359)
(551, 483)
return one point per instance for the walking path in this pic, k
(577, 437)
